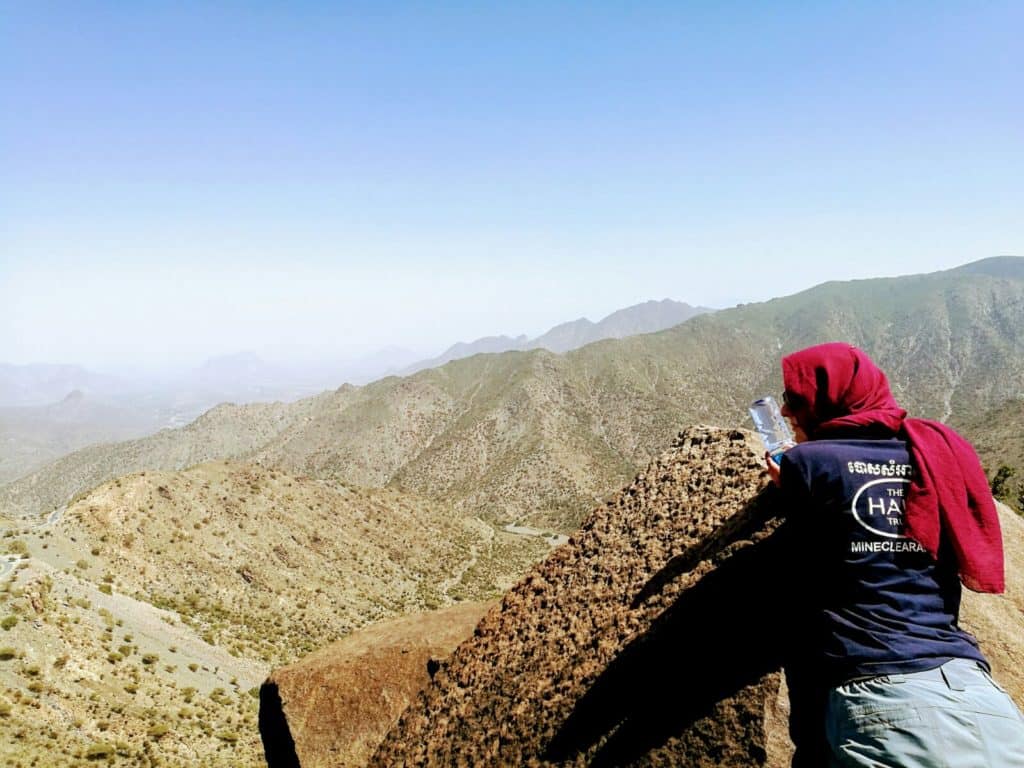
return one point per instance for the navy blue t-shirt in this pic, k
(881, 604)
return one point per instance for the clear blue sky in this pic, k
(186, 179)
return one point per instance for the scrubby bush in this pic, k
(16, 547)
(9, 622)
(100, 750)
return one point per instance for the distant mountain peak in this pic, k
(74, 396)
(647, 317)
(995, 266)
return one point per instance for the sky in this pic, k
(315, 180)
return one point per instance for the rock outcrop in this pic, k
(655, 636)
(644, 640)
(333, 707)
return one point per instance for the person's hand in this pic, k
(773, 469)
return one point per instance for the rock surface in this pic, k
(333, 707)
(649, 639)
(641, 641)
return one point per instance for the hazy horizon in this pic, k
(315, 182)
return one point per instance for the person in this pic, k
(892, 513)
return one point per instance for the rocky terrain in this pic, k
(538, 438)
(32, 436)
(332, 708)
(139, 625)
(147, 587)
(585, 652)
(655, 635)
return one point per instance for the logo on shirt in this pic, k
(878, 505)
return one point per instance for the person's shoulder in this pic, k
(823, 452)
(813, 450)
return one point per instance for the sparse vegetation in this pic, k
(15, 547)
(100, 750)
(227, 549)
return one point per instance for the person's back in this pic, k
(886, 606)
(886, 546)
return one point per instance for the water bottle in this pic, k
(772, 427)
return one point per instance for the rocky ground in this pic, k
(654, 636)
(138, 626)
(610, 651)
(332, 708)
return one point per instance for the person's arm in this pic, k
(789, 477)
(807, 694)
(774, 470)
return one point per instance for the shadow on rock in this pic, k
(278, 745)
(723, 634)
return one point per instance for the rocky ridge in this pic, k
(537, 438)
(649, 638)
(545, 678)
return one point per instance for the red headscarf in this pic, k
(949, 495)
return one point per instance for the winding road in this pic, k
(7, 564)
(52, 518)
(7, 561)
(554, 539)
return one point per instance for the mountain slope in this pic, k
(226, 431)
(149, 612)
(539, 437)
(32, 436)
(648, 317)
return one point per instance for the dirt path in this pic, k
(554, 540)
(7, 564)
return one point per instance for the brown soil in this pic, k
(333, 707)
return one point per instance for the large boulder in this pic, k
(655, 636)
(334, 706)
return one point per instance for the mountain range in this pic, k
(647, 317)
(538, 437)
(147, 586)
(48, 411)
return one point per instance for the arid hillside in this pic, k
(539, 438)
(141, 622)
(998, 436)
